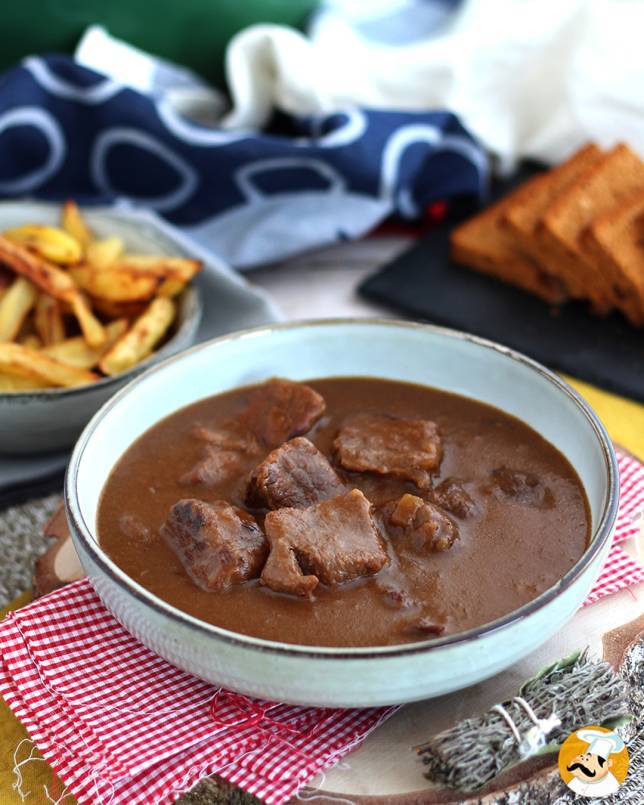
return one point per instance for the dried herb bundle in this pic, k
(570, 694)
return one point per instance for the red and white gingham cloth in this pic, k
(121, 725)
(621, 570)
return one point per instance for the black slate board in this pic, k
(425, 283)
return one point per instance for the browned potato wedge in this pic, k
(76, 352)
(15, 304)
(16, 359)
(75, 225)
(181, 269)
(65, 272)
(15, 383)
(6, 280)
(140, 339)
(118, 285)
(104, 253)
(176, 271)
(48, 241)
(48, 319)
(93, 330)
(31, 340)
(118, 310)
(56, 283)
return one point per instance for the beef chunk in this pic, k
(281, 409)
(451, 496)
(232, 435)
(134, 528)
(396, 596)
(214, 467)
(523, 487)
(331, 542)
(218, 544)
(427, 526)
(296, 475)
(224, 455)
(405, 448)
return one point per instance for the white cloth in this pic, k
(602, 788)
(134, 68)
(529, 78)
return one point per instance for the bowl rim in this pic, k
(82, 533)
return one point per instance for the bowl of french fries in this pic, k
(88, 298)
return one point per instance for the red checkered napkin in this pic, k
(621, 570)
(121, 725)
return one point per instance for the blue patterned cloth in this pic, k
(250, 196)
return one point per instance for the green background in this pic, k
(191, 32)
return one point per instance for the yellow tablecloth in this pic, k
(624, 420)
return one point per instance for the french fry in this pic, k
(75, 225)
(176, 271)
(6, 280)
(115, 284)
(48, 319)
(14, 307)
(20, 360)
(31, 340)
(104, 253)
(16, 383)
(48, 241)
(50, 278)
(180, 268)
(56, 283)
(171, 287)
(140, 339)
(50, 273)
(76, 352)
(119, 310)
(93, 330)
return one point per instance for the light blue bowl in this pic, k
(341, 677)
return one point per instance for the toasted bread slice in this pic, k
(481, 243)
(607, 182)
(617, 240)
(524, 210)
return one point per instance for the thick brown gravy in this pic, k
(510, 550)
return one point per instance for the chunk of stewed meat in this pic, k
(426, 526)
(331, 542)
(225, 454)
(231, 435)
(522, 487)
(215, 466)
(396, 596)
(296, 475)
(404, 448)
(134, 528)
(451, 495)
(281, 409)
(218, 544)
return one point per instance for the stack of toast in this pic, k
(574, 232)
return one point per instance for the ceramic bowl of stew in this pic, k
(519, 466)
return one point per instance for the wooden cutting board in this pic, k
(386, 769)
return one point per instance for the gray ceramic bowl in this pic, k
(337, 677)
(51, 419)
